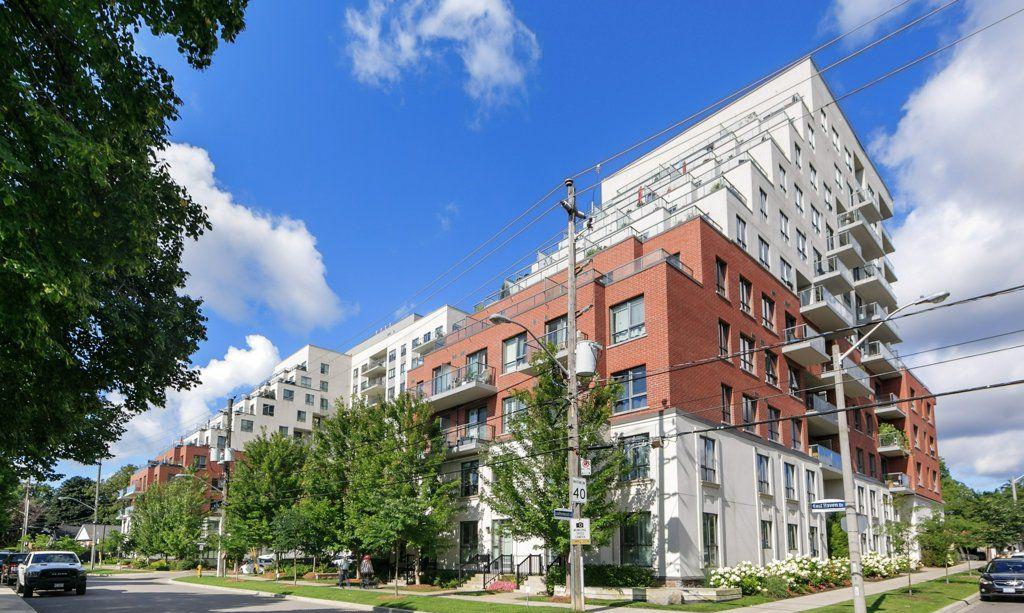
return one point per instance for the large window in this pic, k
(708, 463)
(796, 439)
(746, 353)
(469, 540)
(764, 471)
(556, 331)
(726, 404)
(637, 450)
(767, 312)
(746, 291)
(784, 226)
(741, 233)
(514, 353)
(811, 483)
(636, 541)
(764, 203)
(721, 278)
(709, 530)
(764, 253)
(771, 368)
(813, 540)
(246, 425)
(792, 540)
(789, 480)
(749, 412)
(773, 425)
(268, 409)
(628, 320)
(470, 472)
(723, 339)
(766, 535)
(633, 392)
(509, 407)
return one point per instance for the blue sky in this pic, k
(393, 162)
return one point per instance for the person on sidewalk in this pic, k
(366, 572)
(343, 562)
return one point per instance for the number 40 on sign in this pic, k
(578, 490)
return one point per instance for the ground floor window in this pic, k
(766, 536)
(469, 540)
(813, 537)
(792, 538)
(710, 533)
(636, 540)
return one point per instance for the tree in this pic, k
(287, 532)
(529, 475)
(265, 481)
(64, 506)
(901, 537)
(92, 227)
(838, 541)
(397, 493)
(168, 518)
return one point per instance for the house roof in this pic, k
(85, 533)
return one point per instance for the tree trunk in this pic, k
(277, 566)
(910, 581)
(416, 567)
(295, 570)
(396, 571)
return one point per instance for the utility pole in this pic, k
(95, 515)
(849, 488)
(221, 570)
(575, 551)
(24, 521)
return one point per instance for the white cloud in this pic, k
(447, 215)
(959, 179)
(251, 261)
(497, 50)
(846, 15)
(153, 431)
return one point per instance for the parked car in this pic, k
(9, 568)
(1017, 554)
(1002, 577)
(50, 570)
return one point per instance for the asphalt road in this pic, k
(997, 606)
(156, 595)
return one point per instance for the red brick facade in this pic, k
(922, 465)
(176, 461)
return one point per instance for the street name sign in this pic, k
(579, 531)
(565, 514)
(828, 505)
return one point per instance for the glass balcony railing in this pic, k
(818, 294)
(820, 404)
(827, 457)
(872, 272)
(892, 439)
(468, 435)
(897, 481)
(465, 375)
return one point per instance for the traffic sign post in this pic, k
(579, 531)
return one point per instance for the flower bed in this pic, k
(803, 574)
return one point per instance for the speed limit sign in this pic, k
(578, 490)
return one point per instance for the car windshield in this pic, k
(55, 558)
(1006, 566)
(16, 558)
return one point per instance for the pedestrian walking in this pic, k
(366, 572)
(343, 562)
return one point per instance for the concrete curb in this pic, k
(13, 603)
(961, 604)
(337, 604)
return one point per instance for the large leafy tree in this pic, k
(95, 326)
(64, 507)
(529, 471)
(168, 518)
(397, 491)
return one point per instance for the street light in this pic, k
(498, 318)
(849, 488)
(95, 530)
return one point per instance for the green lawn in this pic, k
(927, 597)
(378, 598)
(744, 601)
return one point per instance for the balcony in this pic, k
(845, 247)
(804, 346)
(855, 380)
(428, 342)
(880, 360)
(862, 230)
(373, 367)
(888, 270)
(823, 309)
(869, 281)
(372, 387)
(887, 244)
(874, 313)
(897, 482)
(866, 204)
(126, 512)
(831, 462)
(819, 421)
(891, 409)
(459, 386)
(833, 274)
(468, 439)
(892, 445)
(126, 492)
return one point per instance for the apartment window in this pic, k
(860, 461)
(723, 339)
(310, 399)
(721, 276)
(637, 450)
(786, 273)
(708, 465)
(766, 534)
(771, 368)
(323, 384)
(633, 392)
(709, 530)
(811, 483)
(823, 119)
(798, 195)
(784, 226)
(557, 330)
(300, 416)
(767, 312)
(476, 363)
(810, 137)
(764, 203)
(746, 291)
(794, 382)
(628, 320)
(816, 220)
(636, 541)
(773, 424)
(246, 425)
(801, 245)
(873, 500)
(469, 540)
(509, 407)
(860, 498)
(764, 253)
(848, 158)
(798, 156)
(268, 409)
(392, 355)
(305, 381)
(917, 439)
(749, 412)
(813, 541)
(726, 404)
(470, 478)
(814, 176)
(283, 430)
(199, 461)
(324, 404)
(782, 179)
(288, 394)
(402, 351)
(920, 481)
(741, 233)
(514, 353)
(763, 466)
(325, 369)
(789, 480)
(746, 353)
(868, 424)
(839, 176)
(835, 138)
(796, 439)
(791, 538)
(856, 419)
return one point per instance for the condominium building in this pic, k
(751, 236)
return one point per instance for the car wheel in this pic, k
(985, 598)
(80, 590)
(26, 591)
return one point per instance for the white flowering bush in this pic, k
(804, 573)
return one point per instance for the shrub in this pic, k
(300, 569)
(160, 566)
(797, 573)
(776, 587)
(605, 575)
(442, 578)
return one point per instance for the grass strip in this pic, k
(928, 596)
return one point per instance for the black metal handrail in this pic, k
(534, 565)
(496, 567)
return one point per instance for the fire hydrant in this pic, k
(199, 570)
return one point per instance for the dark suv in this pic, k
(9, 568)
(1002, 577)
